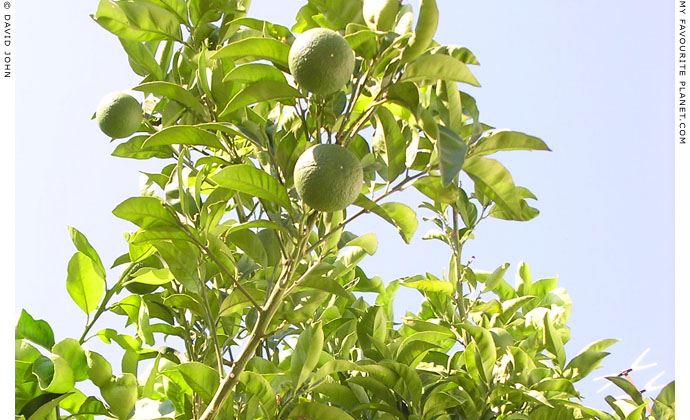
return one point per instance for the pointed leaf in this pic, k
(552, 341)
(628, 388)
(495, 278)
(388, 143)
(451, 154)
(37, 331)
(250, 180)
(258, 386)
(265, 90)
(399, 215)
(85, 282)
(201, 378)
(260, 48)
(254, 72)
(306, 354)
(145, 212)
(83, 245)
(175, 92)
(431, 187)
(427, 285)
(438, 67)
(495, 182)
(138, 21)
(314, 410)
(183, 134)
(503, 140)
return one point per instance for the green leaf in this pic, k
(486, 347)
(389, 144)
(254, 72)
(70, 350)
(202, 379)
(146, 236)
(259, 48)
(411, 351)
(495, 182)
(250, 180)
(273, 29)
(552, 341)
(426, 284)
(137, 21)
(403, 218)
(503, 140)
(438, 67)
(257, 385)
(665, 403)
(85, 282)
(628, 388)
(327, 285)
(249, 242)
(265, 90)
(142, 56)
(145, 212)
(451, 154)
(178, 7)
(134, 149)
(368, 242)
(557, 385)
(183, 134)
(182, 259)
(454, 106)
(306, 354)
(431, 187)
(42, 406)
(494, 278)
(314, 410)
(335, 366)
(523, 281)
(405, 94)
(527, 212)
(83, 245)
(36, 331)
(587, 360)
(175, 92)
(54, 374)
(156, 277)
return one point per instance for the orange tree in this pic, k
(256, 295)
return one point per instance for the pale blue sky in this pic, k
(593, 79)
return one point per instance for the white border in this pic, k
(682, 160)
(7, 136)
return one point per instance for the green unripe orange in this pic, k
(121, 394)
(328, 177)
(321, 61)
(380, 14)
(119, 115)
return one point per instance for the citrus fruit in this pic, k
(328, 177)
(380, 14)
(321, 61)
(121, 394)
(119, 115)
